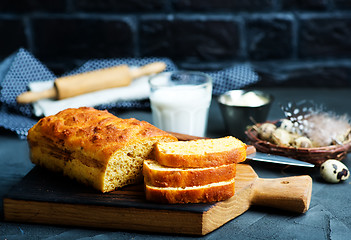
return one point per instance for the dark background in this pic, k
(289, 42)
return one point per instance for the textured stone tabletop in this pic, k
(329, 216)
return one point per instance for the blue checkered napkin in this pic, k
(235, 77)
(20, 69)
(16, 123)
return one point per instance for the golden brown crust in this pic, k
(235, 155)
(204, 194)
(94, 131)
(94, 146)
(158, 176)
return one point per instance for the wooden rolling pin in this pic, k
(74, 85)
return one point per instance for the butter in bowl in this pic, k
(241, 108)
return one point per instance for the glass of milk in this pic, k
(180, 101)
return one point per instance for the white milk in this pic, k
(182, 109)
(249, 99)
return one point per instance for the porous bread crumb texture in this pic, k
(159, 176)
(94, 147)
(201, 194)
(125, 167)
(201, 153)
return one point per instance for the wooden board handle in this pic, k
(290, 193)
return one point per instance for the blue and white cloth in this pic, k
(21, 72)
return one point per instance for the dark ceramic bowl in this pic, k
(238, 117)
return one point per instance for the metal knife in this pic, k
(266, 157)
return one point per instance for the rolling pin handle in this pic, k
(148, 69)
(30, 96)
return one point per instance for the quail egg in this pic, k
(287, 125)
(334, 171)
(281, 137)
(266, 130)
(302, 142)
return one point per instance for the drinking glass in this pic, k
(180, 101)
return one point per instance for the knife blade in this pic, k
(265, 157)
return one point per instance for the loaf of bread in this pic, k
(201, 153)
(160, 176)
(94, 147)
(198, 194)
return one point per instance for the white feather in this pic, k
(325, 129)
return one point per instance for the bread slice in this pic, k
(94, 147)
(201, 153)
(160, 176)
(198, 194)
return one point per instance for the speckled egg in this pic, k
(281, 137)
(302, 142)
(266, 130)
(334, 171)
(287, 125)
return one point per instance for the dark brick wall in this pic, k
(290, 42)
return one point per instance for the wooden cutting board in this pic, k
(47, 198)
